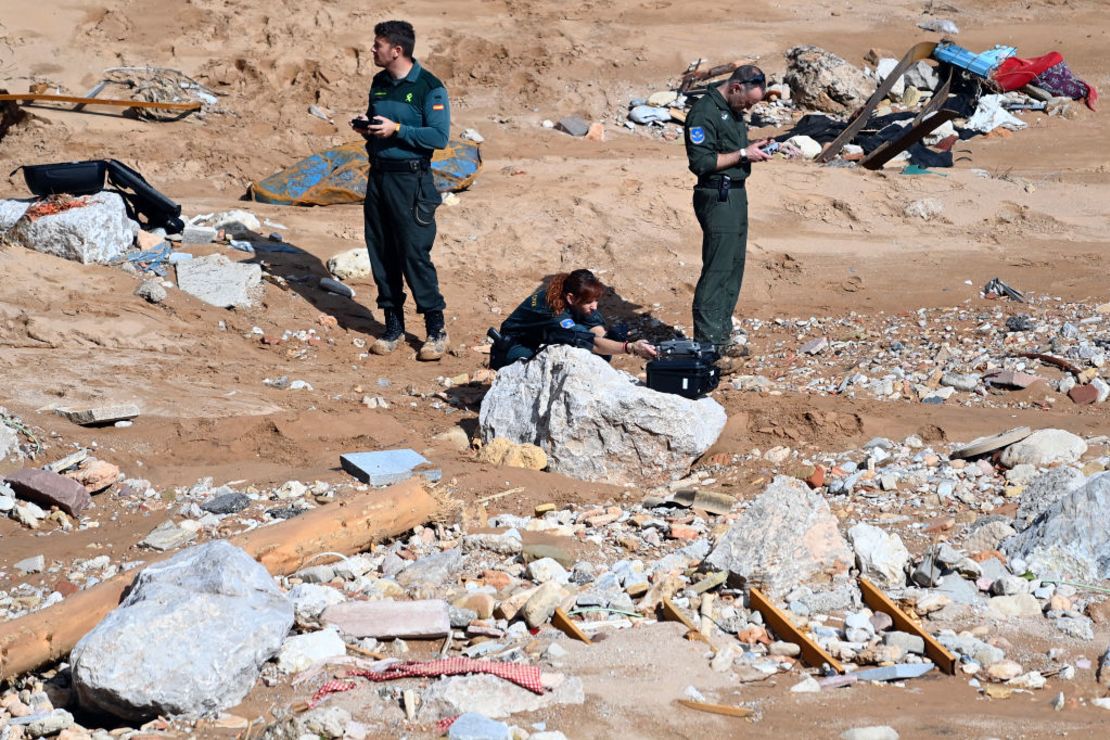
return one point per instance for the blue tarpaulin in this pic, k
(339, 175)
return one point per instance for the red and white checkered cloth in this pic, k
(331, 687)
(525, 676)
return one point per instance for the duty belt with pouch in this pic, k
(721, 183)
(401, 165)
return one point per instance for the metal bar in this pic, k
(916, 53)
(880, 602)
(41, 98)
(812, 653)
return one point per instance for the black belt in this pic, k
(400, 165)
(715, 180)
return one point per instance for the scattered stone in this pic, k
(49, 723)
(47, 489)
(196, 234)
(594, 423)
(542, 604)
(98, 231)
(988, 537)
(168, 536)
(881, 557)
(309, 600)
(1004, 670)
(925, 209)
(151, 291)
(908, 642)
(388, 620)
(237, 223)
(474, 726)
(1044, 490)
(301, 652)
(95, 475)
(226, 503)
(386, 467)
(431, 570)
(573, 125)
(350, 265)
(190, 638)
(218, 281)
(27, 566)
(808, 685)
(1045, 447)
(1017, 605)
(334, 286)
(786, 537)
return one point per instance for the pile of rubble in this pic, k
(967, 546)
(971, 356)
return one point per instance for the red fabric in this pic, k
(445, 724)
(1015, 73)
(525, 676)
(331, 687)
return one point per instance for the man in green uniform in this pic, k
(720, 155)
(408, 117)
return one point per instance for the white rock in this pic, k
(1045, 447)
(808, 685)
(310, 599)
(595, 422)
(876, 732)
(547, 569)
(662, 99)
(96, 232)
(883, 69)
(925, 209)
(809, 147)
(301, 652)
(881, 556)
(237, 223)
(352, 264)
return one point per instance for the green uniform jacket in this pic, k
(417, 101)
(711, 129)
(534, 323)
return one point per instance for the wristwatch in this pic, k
(744, 155)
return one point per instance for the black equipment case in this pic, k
(75, 178)
(685, 368)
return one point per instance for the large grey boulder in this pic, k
(10, 213)
(880, 556)
(97, 231)
(820, 79)
(1045, 490)
(190, 638)
(1071, 538)
(787, 537)
(596, 422)
(217, 280)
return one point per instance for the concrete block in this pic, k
(387, 467)
(108, 414)
(386, 620)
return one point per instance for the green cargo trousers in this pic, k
(724, 246)
(400, 228)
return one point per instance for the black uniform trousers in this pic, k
(400, 228)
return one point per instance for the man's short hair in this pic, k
(397, 33)
(750, 76)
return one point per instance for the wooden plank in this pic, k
(43, 98)
(347, 527)
(724, 709)
(672, 613)
(880, 602)
(812, 653)
(562, 622)
(920, 51)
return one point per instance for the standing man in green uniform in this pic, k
(407, 119)
(720, 155)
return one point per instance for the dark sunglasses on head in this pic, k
(760, 80)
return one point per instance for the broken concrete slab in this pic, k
(218, 281)
(94, 415)
(386, 467)
(388, 620)
(47, 489)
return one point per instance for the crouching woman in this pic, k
(563, 312)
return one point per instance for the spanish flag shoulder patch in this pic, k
(438, 106)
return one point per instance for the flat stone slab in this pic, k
(385, 620)
(218, 281)
(101, 414)
(47, 489)
(167, 536)
(386, 467)
(983, 445)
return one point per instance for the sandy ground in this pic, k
(824, 242)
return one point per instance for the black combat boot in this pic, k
(436, 343)
(394, 333)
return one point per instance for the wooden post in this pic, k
(346, 527)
